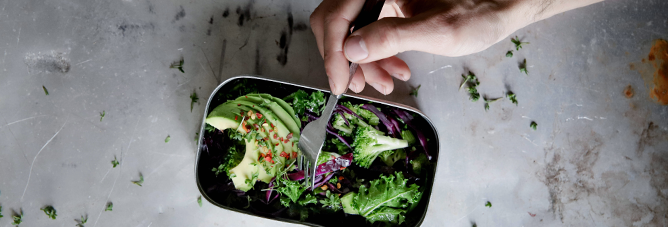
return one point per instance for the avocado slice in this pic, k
(347, 203)
(245, 170)
(224, 116)
(277, 109)
(283, 104)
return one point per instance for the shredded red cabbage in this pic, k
(407, 118)
(329, 166)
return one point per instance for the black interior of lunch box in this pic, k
(220, 190)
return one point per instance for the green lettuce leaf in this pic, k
(386, 199)
(291, 189)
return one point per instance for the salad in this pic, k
(373, 169)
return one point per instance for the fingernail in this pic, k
(332, 86)
(352, 87)
(399, 76)
(355, 49)
(382, 89)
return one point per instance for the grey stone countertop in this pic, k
(597, 158)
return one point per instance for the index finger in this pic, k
(338, 18)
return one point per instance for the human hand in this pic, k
(443, 27)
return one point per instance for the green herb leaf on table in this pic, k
(488, 101)
(517, 42)
(45, 91)
(196, 136)
(102, 115)
(1, 212)
(510, 95)
(18, 218)
(414, 92)
(473, 83)
(199, 201)
(49, 211)
(488, 204)
(386, 199)
(114, 162)
(167, 139)
(533, 125)
(509, 54)
(110, 206)
(332, 201)
(140, 181)
(82, 221)
(193, 100)
(523, 67)
(177, 65)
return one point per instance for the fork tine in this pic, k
(299, 162)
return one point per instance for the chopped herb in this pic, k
(17, 218)
(301, 101)
(193, 100)
(45, 91)
(218, 170)
(509, 54)
(167, 139)
(517, 42)
(533, 125)
(488, 101)
(102, 115)
(199, 201)
(473, 82)
(114, 162)
(1, 212)
(510, 95)
(196, 136)
(488, 204)
(49, 211)
(110, 206)
(178, 65)
(523, 67)
(82, 221)
(140, 181)
(414, 92)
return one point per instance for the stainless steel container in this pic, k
(282, 89)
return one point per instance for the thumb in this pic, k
(384, 38)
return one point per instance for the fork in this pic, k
(313, 136)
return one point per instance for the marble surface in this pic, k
(597, 158)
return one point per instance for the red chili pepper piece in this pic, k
(259, 115)
(289, 136)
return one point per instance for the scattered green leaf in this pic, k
(488, 101)
(114, 162)
(49, 211)
(199, 201)
(45, 91)
(414, 92)
(177, 65)
(517, 42)
(102, 115)
(140, 181)
(488, 204)
(18, 218)
(386, 199)
(533, 125)
(523, 67)
(193, 100)
(472, 82)
(509, 54)
(1, 212)
(82, 221)
(168, 138)
(110, 206)
(510, 95)
(196, 136)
